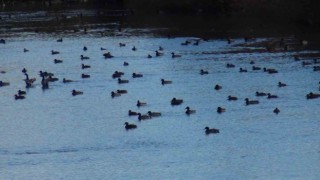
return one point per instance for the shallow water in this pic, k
(53, 135)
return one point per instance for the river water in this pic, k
(54, 135)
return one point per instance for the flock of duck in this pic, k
(47, 78)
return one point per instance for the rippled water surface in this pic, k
(54, 135)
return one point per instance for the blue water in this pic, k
(53, 135)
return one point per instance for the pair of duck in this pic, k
(20, 95)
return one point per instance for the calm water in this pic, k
(53, 135)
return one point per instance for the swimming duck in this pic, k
(185, 43)
(316, 68)
(189, 111)
(143, 117)
(175, 101)
(154, 114)
(221, 110)
(20, 92)
(103, 49)
(85, 66)
(159, 53)
(232, 98)
(56, 61)
(211, 131)
(107, 55)
(270, 96)
(280, 84)
(229, 65)
(163, 82)
(16, 97)
(312, 95)
(122, 81)
(83, 76)
(134, 48)
(85, 48)
(202, 72)
(125, 63)
(54, 52)
(250, 102)
(270, 71)
(60, 40)
(4, 83)
(255, 68)
(276, 111)
(2, 41)
(139, 103)
(129, 126)
(82, 57)
(74, 92)
(217, 87)
(25, 50)
(113, 94)
(64, 80)
(260, 94)
(149, 56)
(137, 75)
(132, 113)
(243, 70)
(122, 91)
(173, 55)
(122, 44)
(117, 74)
(252, 62)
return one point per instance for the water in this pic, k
(53, 135)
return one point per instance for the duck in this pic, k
(270, 70)
(122, 91)
(137, 75)
(250, 102)
(229, 65)
(54, 52)
(83, 76)
(276, 111)
(175, 101)
(252, 62)
(261, 93)
(270, 96)
(125, 63)
(2, 83)
(159, 53)
(143, 117)
(280, 84)
(255, 68)
(82, 57)
(114, 94)
(107, 55)
(163, 82)
(2, 41)
(189, 111)
(52, 79)
(202, 72)
(132, 113)
(74, 92)
(217, 87)
(117, 74)
(20, 92)
(312, 95)
(16, 97)
(173, 55)
(25, 50)
(60, 40)
(85, 66)
(29, 81)
(45, 74)
(139, 103)
(122, 81)
(185, 43)
(196, 43)
(56, 61)
(122, 44)
(64, 80)
(129, 126)
(85, 48)
(232, 98)
(149, 56)
(211, 131)
(154, 114)
(134, 48)
(243, 70)
(221, 110)
(103, 49)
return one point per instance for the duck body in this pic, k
(85, 66)
(312, 95)
(261, 93)
(154, 114)
(143, 117)
(189, 111)
(175, 101)
(107, 55)
(211, 131)
(129, 126)
(17, 97)
(232, 98)
(221, 110)
(270, 96)
(251, 102)
(74, 92)
(57, 61)
(132, 113)
(203, 72)
(114, 94)
(163, 82)
(139, 103)
(137, 75)
(84, 76)
(82, 57)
